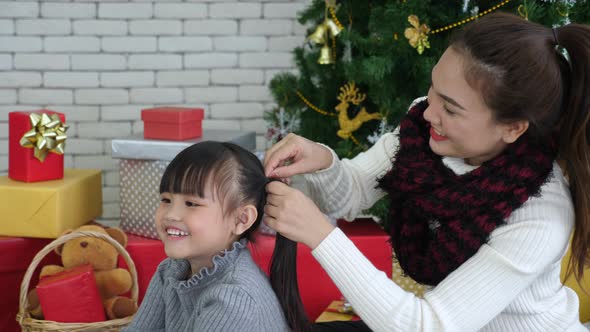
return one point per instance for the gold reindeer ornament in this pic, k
(349, 93)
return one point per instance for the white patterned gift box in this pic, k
(142, 164)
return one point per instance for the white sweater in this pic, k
(511, 284)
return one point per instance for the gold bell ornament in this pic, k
(334, 28)
(319, 35)
(325, 56)
(330, 27)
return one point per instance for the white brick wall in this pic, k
(41, 61)
(6, 27)
(5, 61)
(101, 62)
(155, 27)
(43, 27)
(18, 79)
(155, 61)
(180, 10)
(98, 62)
(100, 27)
(127, 79)
(13, 9)
(59, 79)
(67, 10)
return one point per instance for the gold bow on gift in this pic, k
(47, 134)
(418, 34)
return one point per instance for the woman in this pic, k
(479, 209)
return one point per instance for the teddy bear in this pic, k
(103, 257)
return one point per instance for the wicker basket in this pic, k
(30, 324)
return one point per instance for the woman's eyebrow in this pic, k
(445, 97)
(451, 101)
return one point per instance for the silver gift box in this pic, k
(142, 164)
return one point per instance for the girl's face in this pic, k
(194, 228)
(462, 125)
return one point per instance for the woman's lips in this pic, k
(435, 136)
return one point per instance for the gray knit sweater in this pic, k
(233, 295)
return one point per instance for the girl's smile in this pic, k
(176, 233)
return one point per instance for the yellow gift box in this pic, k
(46, 209)
(335, 312)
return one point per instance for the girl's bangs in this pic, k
(188, 178)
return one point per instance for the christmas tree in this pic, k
(363, 63)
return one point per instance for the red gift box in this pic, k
(146, 255)
(22, 164)
(18, 254)
(315, 286)
(172, 123)
(71, 296)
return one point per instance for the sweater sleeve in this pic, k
(227, 308)
(535, 237)
(151, 314)
(348, 186)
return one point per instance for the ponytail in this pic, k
(283, 278)
(574, 137)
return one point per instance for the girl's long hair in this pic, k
(283, 278)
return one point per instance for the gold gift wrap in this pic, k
(571, 282)
(46, 209)
(334, 312)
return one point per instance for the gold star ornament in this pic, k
(417, 35)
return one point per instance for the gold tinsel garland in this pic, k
(334, 18)
(469, 19)
(417, 34)
(312, 106)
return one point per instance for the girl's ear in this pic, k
(245, 217)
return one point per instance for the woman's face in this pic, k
(462, 126)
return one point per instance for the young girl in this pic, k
(211, 200)
(480, 210)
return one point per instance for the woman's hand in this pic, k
(295, 155)
(291, 213)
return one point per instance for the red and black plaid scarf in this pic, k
(439, 219)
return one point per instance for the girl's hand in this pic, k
(295, 155)
(291, 213)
